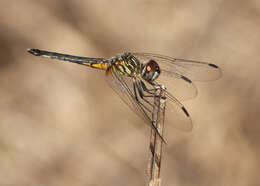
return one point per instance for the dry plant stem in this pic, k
(155, 141)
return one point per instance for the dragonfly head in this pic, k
(150, 71)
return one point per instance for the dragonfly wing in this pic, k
(180, 86)
(176, 114)
(178, 74)
(194, 70)
(123, 86)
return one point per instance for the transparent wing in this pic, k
(123, 86)
(177, 74)
(180, 86)
(194, 70)
(176, 114)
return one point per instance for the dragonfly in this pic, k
(134, 76)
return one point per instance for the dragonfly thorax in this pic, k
(126, 64)
(150, 71)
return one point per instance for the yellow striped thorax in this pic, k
(126, 64)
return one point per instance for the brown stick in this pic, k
(156, 143)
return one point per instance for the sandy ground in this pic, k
(61, 124)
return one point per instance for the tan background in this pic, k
(60, 123)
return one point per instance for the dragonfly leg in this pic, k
(138, 88)
(135, 86)
(141, 94)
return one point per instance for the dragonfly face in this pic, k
(150, 71)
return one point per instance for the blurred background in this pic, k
(61, 124)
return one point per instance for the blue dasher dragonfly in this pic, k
(133, 76)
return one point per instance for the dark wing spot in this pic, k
(185, 111)
(186, 79)
(213, 65)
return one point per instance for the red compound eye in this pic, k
(150, 71)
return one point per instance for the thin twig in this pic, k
(156, 142)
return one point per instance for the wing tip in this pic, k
(218, 70)
(213, 65)
(185, 111)
(186, 79)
